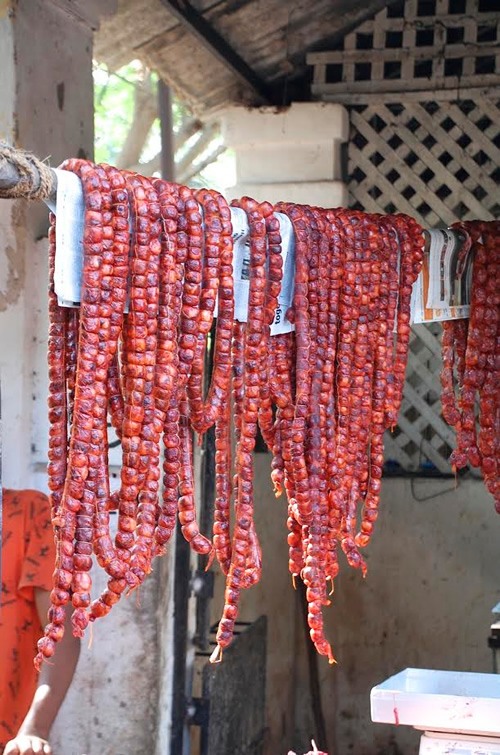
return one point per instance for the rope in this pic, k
(35, 179)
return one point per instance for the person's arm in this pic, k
(53, 683)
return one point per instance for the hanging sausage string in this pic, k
(316, 362)
(322, 393)
(470, 377)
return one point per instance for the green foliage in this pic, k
(113, 109)
(114, 94)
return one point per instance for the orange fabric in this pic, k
(28, 557)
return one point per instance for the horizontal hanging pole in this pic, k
(23, 175)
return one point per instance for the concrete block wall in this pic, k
(291, 154)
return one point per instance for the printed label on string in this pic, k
(241, 270)
(241, 263)
(442, 289)
(280, 323)
(70, 211)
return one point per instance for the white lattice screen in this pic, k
(422, 441)
(420, 81)
(436, 161)
(414, 47)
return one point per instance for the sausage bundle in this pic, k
(470, 377)
(157, 274)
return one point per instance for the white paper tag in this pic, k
(446, 284)
(440, 242)
(241, 270)
(442, 290)
(70, 211)
(416, 299)
(241, 263)
(280, 323)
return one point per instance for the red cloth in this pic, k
(28, 557)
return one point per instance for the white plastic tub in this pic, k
(446, 744)
(443, 701)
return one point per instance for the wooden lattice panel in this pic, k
(413, 47)
(422, 438)
(436, 161)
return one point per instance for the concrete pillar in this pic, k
(46, 95)
(293, 154)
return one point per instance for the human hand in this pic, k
(27, 744)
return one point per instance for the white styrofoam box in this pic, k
(314, 193)
(301, 143)
(451, 701)
(300, 123)
(442, 744)
(268, 162)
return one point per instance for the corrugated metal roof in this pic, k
(271, 36)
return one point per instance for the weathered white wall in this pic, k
(433, 578)
(46, 95)
(112, 705)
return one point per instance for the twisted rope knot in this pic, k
(35, 179)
